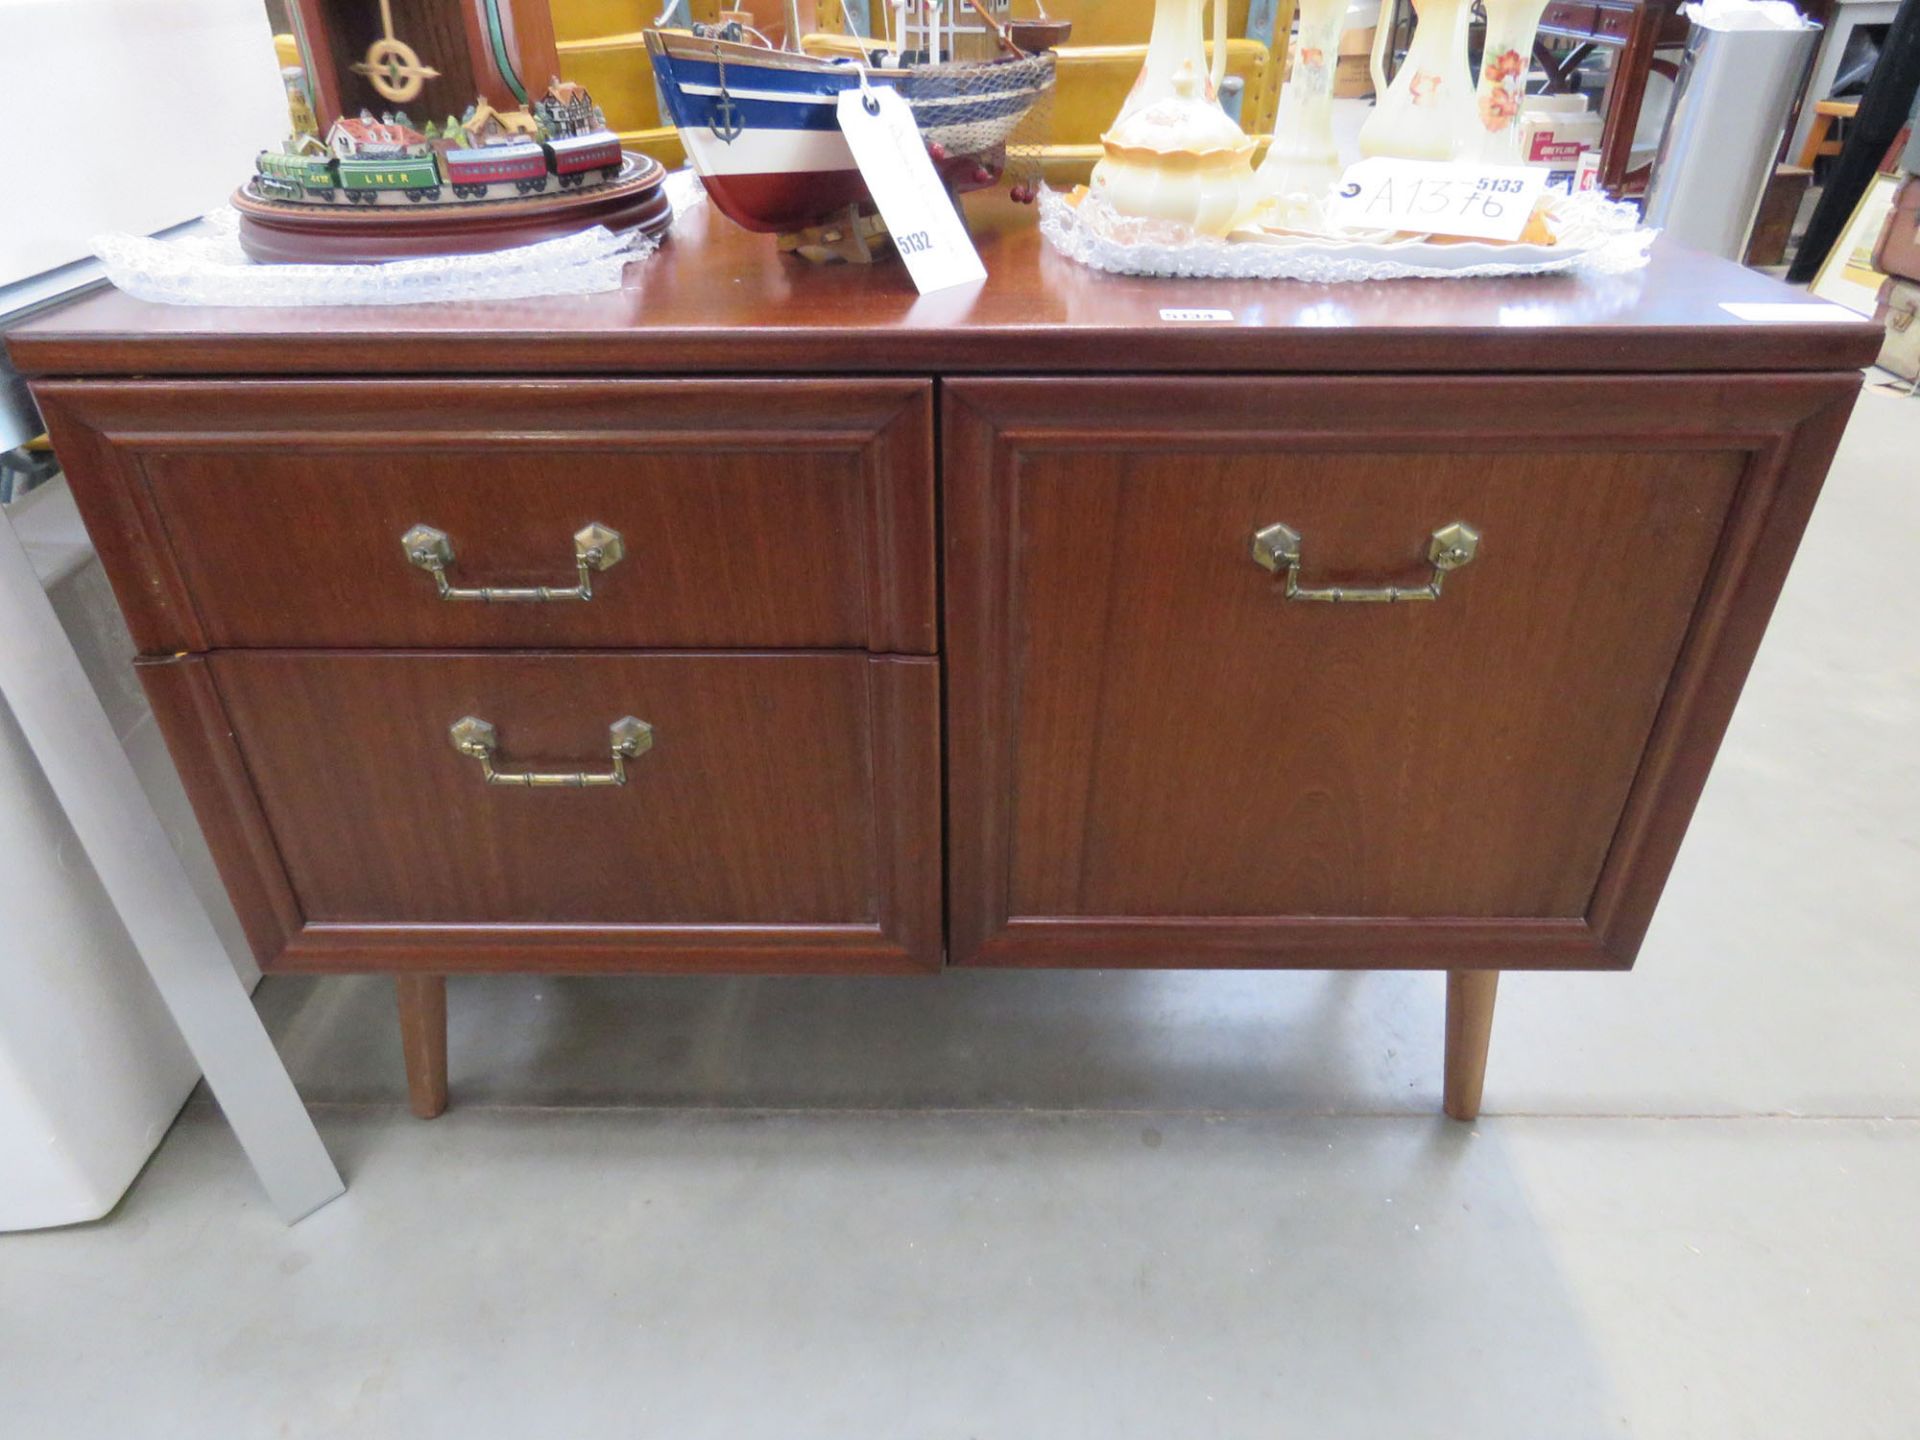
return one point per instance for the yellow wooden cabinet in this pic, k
(602, 45)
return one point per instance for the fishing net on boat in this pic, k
(996, 111)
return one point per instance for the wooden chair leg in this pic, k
(1469, 1025)
(423, 1040)
(1816, 139)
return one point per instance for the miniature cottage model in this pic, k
(387, 138)
(567, 109)
(484, 125)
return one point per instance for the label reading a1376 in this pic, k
(1437, 197)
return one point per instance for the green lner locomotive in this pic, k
(290, 177)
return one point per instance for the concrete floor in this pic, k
(1114, 1205)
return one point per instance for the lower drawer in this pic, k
(469, 811)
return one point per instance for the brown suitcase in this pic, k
(1897, 252)
(1899, 305)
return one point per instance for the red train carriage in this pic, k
(523, 165)
(574, 157)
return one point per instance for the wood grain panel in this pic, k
(754, 804)
(1151, 749)
(270, 514)
(1190, 743)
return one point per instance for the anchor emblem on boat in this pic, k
(725, 124)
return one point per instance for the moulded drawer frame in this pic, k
(220, 583)
(903, 805)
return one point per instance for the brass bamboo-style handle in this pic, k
(628, 737)
(1277, 548)
(595, 547)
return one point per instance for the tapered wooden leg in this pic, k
(423, 1040)
(1469, 1024)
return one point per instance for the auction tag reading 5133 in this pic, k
(892, 157)
(1438, 197)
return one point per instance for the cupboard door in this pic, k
(653, 513)
(449, 811)
(1172, 745)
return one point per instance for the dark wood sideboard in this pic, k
(964, 629)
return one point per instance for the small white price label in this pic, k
(926, 229)
(1787, 312)
(1437, 197)
(1191, 315)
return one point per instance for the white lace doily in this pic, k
(208, 267)
(1596, 235)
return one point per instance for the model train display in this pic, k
(508, 166)
(486, 154)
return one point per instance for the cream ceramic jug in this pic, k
(1427, 113)
(1511, 25)
(1303, 158)
(1176, 42)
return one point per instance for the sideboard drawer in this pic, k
(1616, 23)
(1190, 724)
(464, 810)
(432, 514)
(1578, 19)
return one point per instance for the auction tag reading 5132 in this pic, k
(1438, 197)
(892, 157)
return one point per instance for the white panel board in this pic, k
(126, 115)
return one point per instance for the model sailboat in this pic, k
(761, 129)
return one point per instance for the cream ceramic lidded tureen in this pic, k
(1180, 159)
(1174, 154)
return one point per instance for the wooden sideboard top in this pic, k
(718, 300)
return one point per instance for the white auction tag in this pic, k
(1791, 312)
(926, 229)
(1438, 197)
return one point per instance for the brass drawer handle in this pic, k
(595, 547)
(628, 737)
(1277, 548)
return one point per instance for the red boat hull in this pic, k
(777, 204)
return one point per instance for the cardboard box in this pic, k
(1352, 77)
(1554, 129)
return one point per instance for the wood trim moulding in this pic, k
(1770, 512)
(530, 411)
(1307, 942)
(903, 700)
(1392, 413)
(903, 601)
(110, 489)
(193, 722)
(334, 947)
